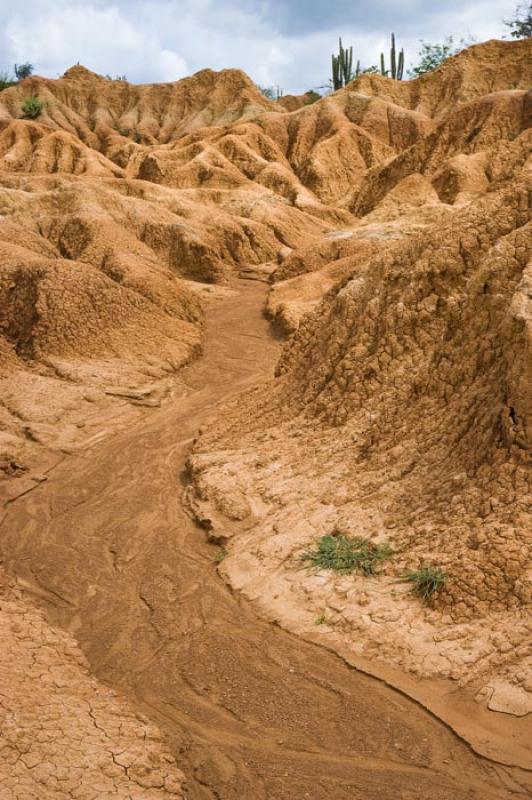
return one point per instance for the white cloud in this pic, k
(172, 66)
(57, 35)
(276, 41)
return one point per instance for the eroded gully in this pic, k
(250, 711)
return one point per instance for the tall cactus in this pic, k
(397, 65)
(342, 67)
(401, 65)
(346, 64)
(336, 79)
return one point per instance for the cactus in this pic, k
(393, 61)
(342, 67)
(336, 81)
(397, 65)
(401, 65)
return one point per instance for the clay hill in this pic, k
(390, 222)
(401, 408)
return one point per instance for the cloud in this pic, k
(101, 36)
(406, 18)
(281, 42)
(171, 66)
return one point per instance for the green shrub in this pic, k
(6, 81)
(346, 554)
(521, 24)
(426, 581)
(32, 107)
(311, 97)
(431, 55)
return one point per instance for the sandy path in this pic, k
(251, 712)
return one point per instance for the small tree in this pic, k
(23, 71)
(431, 55)
(521, 25)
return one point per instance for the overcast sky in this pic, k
(277, 42)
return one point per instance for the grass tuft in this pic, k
(220, 554)
(32, 107)
(426, 581)
(346, 554)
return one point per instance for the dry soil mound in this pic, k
(91, 107)
(477, 71)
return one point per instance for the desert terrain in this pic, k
(234, 331)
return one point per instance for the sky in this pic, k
(286, 43)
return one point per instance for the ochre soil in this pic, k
(143, 392)
(105, 547)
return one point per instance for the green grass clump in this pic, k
(346, 554)
(220, 554)
(426, 581)
(32, 107)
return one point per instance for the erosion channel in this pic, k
(251, 712)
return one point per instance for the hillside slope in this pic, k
(401, 409)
